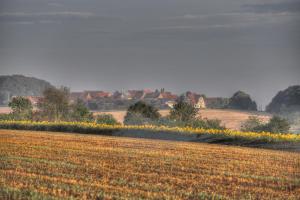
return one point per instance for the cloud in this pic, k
(53, 4)
(229, 20)
(286, 6)
(48, 14)
(42, 17)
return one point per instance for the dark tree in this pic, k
(145, 110)
(242, 101)
(278, 125)
(288, 99)
(79, 112)
(183, 111)
(55, 104)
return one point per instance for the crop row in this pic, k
(104, 129)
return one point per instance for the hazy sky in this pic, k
(214, 47)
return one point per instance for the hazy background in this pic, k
(214, 47)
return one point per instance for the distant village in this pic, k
(32, 89)
(161, 99)
(121, 100)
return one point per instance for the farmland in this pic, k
(46, 165)
(232, 119)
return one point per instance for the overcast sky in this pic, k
(215, 47)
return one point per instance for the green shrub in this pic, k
(4, 117)
(133, 118)
(144, 110)
(167, 121)
(275, 125)
(106, 119)
(195, 123)
(207, 124)
(252, 124)
(141, 113)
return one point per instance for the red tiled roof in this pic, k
(33, 99)
(96, 94)
(168, 95)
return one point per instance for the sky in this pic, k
(214, 47)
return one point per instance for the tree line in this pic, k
(56, 106)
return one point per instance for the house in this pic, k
(167, 96)
(136, 94)
(200, 103)
(195, 99)
(92, 95)
(192, 97)
(170, 104)
(33, 99)
(152, 95)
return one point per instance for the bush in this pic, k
(167, 121)
(132, 118)
(4, 117)
(207, 124)
(79, 112)
(278, 125)
(195, 123)
(106, 119)
(252, 124)
(144, 110)
(141, 113)
(38, 116)
(275, 125)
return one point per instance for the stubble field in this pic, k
(44, 165)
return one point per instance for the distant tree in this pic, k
(92, 105)
(133, 118)
(275, 125)
(207, 124)
(288, 99)
(252, 124)
(106, 119)
(242, 101)
(55, 104)
(183, 111)
(141, 113)
(4, 116)
(21, 107)
(144, 109)
(79, 112)
(278, 125)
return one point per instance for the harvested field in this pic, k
(232, 119)
(46, 165)
(5, 110)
